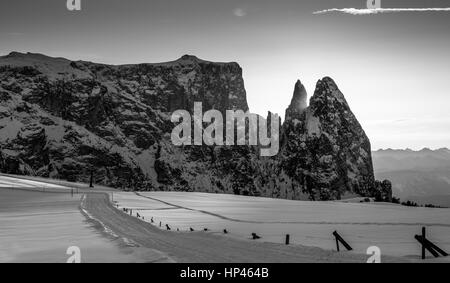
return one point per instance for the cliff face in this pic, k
(325, 149)
(62, 119)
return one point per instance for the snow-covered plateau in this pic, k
(387, 226)
(39, 220)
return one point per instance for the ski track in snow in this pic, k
(106, 230)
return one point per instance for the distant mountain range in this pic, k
(421, 176)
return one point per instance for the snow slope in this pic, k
(10, 182)
(40, 227)
(390, 227)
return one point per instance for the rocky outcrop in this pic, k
(325, 149)
(383, 191)
(298, 103)
(64, 119)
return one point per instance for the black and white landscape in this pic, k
(66, 120)
(89, 171)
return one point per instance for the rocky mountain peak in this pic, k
(189, 60)
(328, 98)
(328, 83)
(188, 57)
(327, 89)
(194, 60)
(325, 148)
(298, 102)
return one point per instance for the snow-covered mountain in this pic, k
(64, 119)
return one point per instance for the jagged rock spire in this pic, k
(325, 149)
(298, 103)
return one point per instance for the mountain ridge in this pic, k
(186, 58)
(422, 176)
(64, 119)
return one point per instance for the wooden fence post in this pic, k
(428, 245)
(255, 236)
(342, 241)
(423, 244)
(91, 181)
(337, 244)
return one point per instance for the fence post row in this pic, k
(426, 244)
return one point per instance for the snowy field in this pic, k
(39, 227)
(390, 227)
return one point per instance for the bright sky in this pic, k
(392, 68)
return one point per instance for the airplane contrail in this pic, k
(354, 11)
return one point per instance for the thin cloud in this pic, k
(239, 12)
(354, 11)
